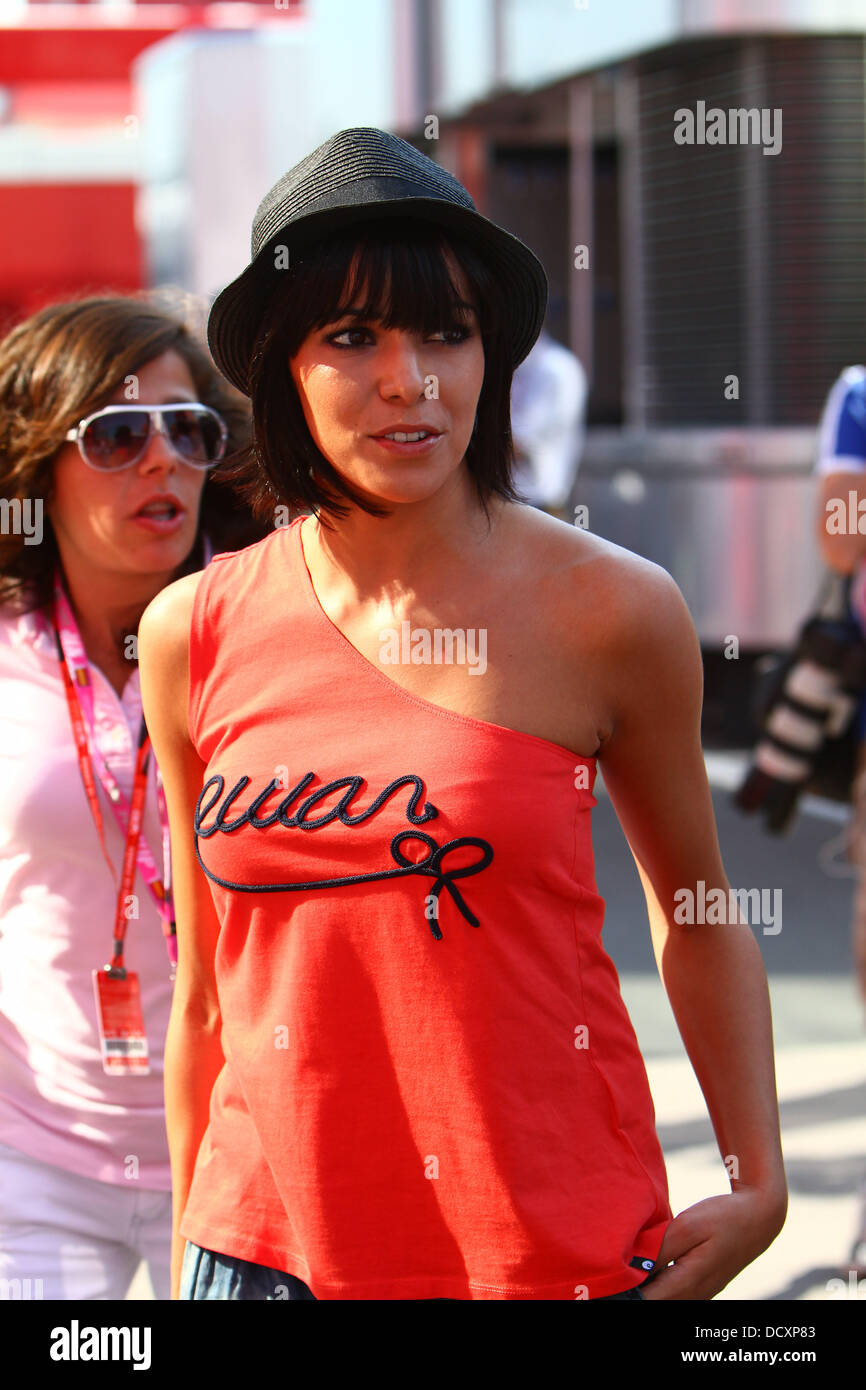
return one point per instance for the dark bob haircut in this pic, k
(395, 271)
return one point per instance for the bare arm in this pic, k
(713, 973)
(843, 552)
(193, 1052)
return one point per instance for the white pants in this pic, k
(77, 1238)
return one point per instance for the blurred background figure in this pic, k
(101, 509)
(841, 469)
(548, 411)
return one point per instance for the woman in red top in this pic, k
(398, 1064)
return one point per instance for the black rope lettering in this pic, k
(431, 866)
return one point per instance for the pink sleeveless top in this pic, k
(432, 1088)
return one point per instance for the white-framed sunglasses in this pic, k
(118, 436)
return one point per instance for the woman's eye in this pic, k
(347, 333)
(453, 335)
(356, 337)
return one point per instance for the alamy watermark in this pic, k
(715, 906)
(846, 519)
(736, 126)
(22, 517)
(20, 1289)
(77, 1343)
(418, 646)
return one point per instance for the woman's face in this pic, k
(94, 514)
(359, 381)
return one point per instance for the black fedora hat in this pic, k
(357, 175)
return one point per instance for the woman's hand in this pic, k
(712, 1241)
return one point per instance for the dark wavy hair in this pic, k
(66, 361)
(395, 271)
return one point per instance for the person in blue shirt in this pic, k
(841, 468)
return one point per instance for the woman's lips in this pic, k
(406, 450)
(161, 525)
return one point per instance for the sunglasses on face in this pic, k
(119, 435)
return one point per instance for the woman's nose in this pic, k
(399, 366)
(158, 455)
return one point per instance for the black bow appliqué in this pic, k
(431, 866)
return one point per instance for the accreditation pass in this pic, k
(122, 1038)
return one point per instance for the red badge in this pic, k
(122, 1038)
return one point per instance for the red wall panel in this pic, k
(64, 239)
(43, 55)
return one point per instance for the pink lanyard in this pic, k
(79, 692)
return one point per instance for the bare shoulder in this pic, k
(620, 622)
(593, 582)
(166, 620)
(163, 654)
